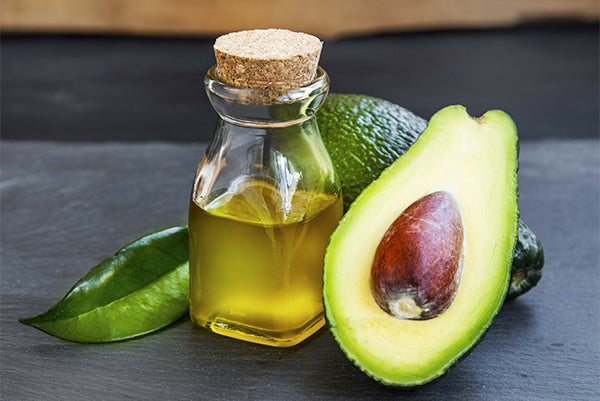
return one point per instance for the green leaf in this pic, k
(143, 288)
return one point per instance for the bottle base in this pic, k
(258, 335)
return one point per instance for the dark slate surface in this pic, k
(81, 88)
(66, 206)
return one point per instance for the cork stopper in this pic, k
(267, 58)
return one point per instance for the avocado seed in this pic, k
(417, 265)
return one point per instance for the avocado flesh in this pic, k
(475, 160)
(364, 135)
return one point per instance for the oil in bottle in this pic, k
(256, 262)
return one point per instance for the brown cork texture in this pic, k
(267, 58)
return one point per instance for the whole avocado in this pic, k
(364, 135)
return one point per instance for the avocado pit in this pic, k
(417, 265)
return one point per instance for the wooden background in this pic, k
(321, 17)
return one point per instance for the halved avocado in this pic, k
(472, 162)
(364, 135)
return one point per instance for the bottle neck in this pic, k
(266, 108)
(276, 143)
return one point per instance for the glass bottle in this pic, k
(264, 202)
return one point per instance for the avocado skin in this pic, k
(365, 134)
(528, 261)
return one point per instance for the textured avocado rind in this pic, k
(528, 261)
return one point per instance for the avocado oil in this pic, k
(256, 263)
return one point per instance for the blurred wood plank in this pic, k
(321, 17)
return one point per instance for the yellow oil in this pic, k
(256, 262)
